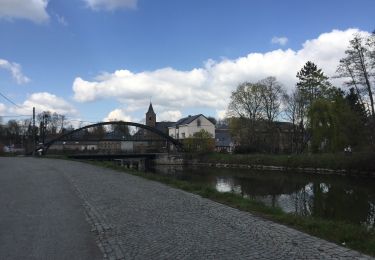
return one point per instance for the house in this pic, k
(223, 140)
(85, 145)
(188, 126)
(262, 136)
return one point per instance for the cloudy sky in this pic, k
(96, 60)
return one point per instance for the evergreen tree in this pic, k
(312, 83)
(356, 105)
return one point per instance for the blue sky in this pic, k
(91, 59)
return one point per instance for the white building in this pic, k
(188, 126)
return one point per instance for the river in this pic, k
(331, 197)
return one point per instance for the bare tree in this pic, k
(358, 67)
(294, 112)
(244, 109)
(246, 101)
(62, 122)
(271, 93)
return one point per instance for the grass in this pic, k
(353, 236)
(359, 161)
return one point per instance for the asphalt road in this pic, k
(41, 216)
(55, 209)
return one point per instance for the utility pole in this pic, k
(34, 132)
(43, 128)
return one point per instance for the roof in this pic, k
(163, 126)
(186, 120)
(223, 137)
(150, 109)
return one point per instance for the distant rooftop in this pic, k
(186, 120)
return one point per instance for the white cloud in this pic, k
(34, 10)
(279, 40)
(15, 69)
(118, 115)
(221, 114)
(210, 86)
(170, 115)
(110, 5)
(3, 108)
(44, 101)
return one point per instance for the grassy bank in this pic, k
(360, 161)
(353, 236)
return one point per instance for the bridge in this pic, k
(150, 136)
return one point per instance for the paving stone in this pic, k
(135, 218)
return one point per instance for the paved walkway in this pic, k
(133, 218)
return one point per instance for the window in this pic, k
(183, 135)
(198, 122)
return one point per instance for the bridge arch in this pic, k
(175, 142)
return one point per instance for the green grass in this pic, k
(358, 161)
(353, 236)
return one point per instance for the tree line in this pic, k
(321, 116)
(48, 125)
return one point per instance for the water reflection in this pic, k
(331, 197)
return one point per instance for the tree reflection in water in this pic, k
(330, 197)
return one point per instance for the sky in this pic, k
(96, 60)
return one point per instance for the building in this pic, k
(148, 141)
(188, 126)
(223, 140)
(263, 136)
(151, 121)
(90, 146)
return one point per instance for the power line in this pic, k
(9, 100)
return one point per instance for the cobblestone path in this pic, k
(134, 218)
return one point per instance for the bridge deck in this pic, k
(113, 156)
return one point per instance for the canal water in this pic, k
(332, 197)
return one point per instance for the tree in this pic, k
(334, 125)
(122, 130)
(244, 109)
(13, 131)
(246, 101)
(271, 96)
(294, 112)
(1, 129)
(200, 142)
(356, 105)
(98, 132)
(255, 107)
(312, 83)
(358, 68)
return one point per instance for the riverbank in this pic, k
(361, 163)
(353, 236)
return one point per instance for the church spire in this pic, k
(150, 109)
(150, 116)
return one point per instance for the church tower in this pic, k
(150, 116)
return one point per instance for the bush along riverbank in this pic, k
(361, 163)
(357, 237)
